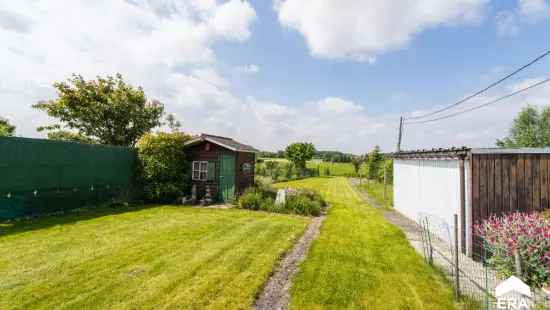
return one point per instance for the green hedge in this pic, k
(163, 170)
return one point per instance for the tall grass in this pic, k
(375, 190)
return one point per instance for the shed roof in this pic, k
(441, 153)
(225, 142)
(523, 150)
(454, 153)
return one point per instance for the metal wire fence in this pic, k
(472, 275)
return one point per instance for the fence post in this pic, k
(429, 238)
(517, 260)
(487, 304)
(457, 269)
(385, 181)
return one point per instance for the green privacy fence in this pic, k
(44, 176)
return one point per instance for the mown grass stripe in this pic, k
(361, 261)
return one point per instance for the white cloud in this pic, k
(507, 24)
(527, 12)
(249, 69)
(361, 30)
(232, 20)
(337, 106)
(479, 128)
(168, 48)
(534, 10)
(164, 46)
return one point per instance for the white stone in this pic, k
(281, 197)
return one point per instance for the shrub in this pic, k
(545, 214)
(303, 205)
(529, 235)
(162, 170)
(313, 195)
(251, 199)
(262, 197)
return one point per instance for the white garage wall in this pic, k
(430, 188)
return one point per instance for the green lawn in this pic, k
(157, 257)
(375, 190)
(336, 169)
(333, 169)
(361, 261)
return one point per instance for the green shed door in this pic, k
(227, 177)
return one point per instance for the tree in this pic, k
(163, 169)
(357, 161)
(65, 135)
(375, 161)
(299, 153)
(173, 123)
(106, 110)
(6, 129)
(531, 128)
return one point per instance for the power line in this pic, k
(484, 89)
(484, 104)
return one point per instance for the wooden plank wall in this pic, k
(503, 183)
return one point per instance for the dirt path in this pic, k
(275, 294)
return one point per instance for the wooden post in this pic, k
(517, 260)
(462, 206)
(385, 181)
(456, 269)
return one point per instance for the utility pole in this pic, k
(400, 134)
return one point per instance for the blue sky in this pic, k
(439, 65)
(274, 72)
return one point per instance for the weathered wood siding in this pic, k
(200, 152)
(212, 153)
(503, 183)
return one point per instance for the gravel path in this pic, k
(275, 294)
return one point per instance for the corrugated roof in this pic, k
(449, 153)
(226, 142)
(524, 150)
(439, 153)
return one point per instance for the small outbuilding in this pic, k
(472, 183)
(220, 164)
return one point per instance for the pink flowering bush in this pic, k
(526, 233)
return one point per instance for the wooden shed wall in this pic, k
(503, 183)
(199, 152)
(244, 180)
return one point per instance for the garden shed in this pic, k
(220, 164)
(472, 183)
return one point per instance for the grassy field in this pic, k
(333, 169)
(375, 190)
(360, 261)
(157, 257)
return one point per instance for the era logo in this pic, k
(513, 294)
(511, 303)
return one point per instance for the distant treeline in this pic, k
(327, 156)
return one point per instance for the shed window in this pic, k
(200, 170)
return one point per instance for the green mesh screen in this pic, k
(43, 176)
